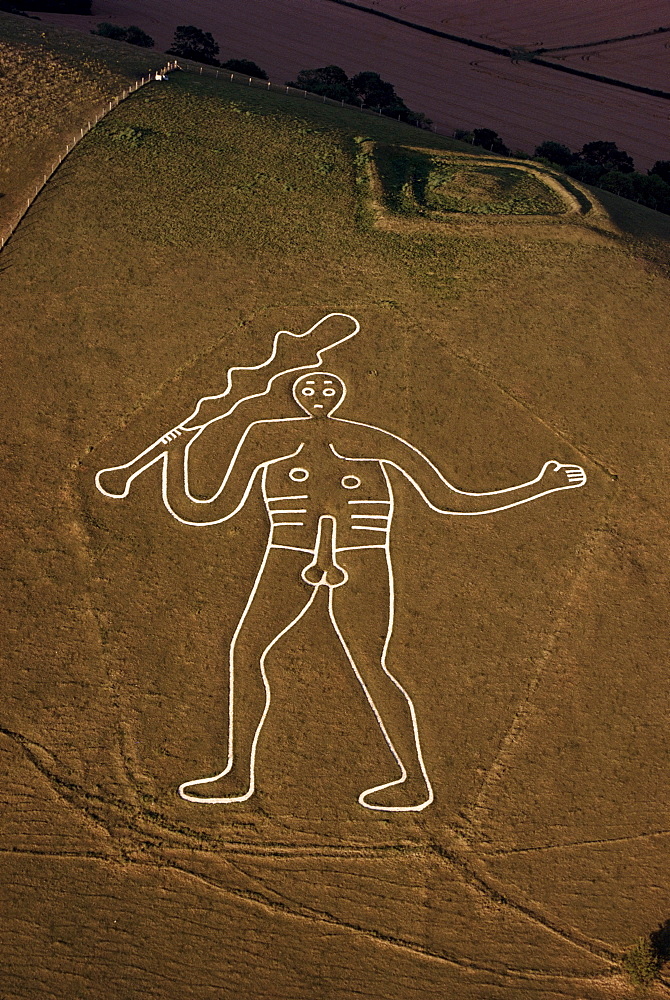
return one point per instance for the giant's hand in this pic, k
(556, 476)
(291, 352)
(115, 482)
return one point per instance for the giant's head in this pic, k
(319, 393)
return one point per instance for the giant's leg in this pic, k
(278, 600)
(362, 613)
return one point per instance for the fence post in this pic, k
(217, 74)
(201, 71)
(249, 81)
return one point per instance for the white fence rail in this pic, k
(278, 88)
(77, 137)
(219, 74)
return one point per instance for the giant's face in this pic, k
(319, 393)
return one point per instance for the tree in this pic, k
(245, 66)
(107, 30)
(190, 42)
(555, 152)
(132, 34)
(641, 962)
(367, 88)
(419, 119)
(488, 139)
(374, 92)
(646, 189)
(327, 81)
(464, 136)
(135, 36)
(606, 156)
(586, 172)
(661, 169)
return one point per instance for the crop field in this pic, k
(643, 61)
(197, 220)
(455, 85)
(521, 22)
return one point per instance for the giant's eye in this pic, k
(329, 392)
(308, 391)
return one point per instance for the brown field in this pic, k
(196, 221)
(522, 22)
(454, 85)
(643, 61)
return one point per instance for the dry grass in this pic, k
(180, 235)
(51, 82)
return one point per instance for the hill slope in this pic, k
(181, 234)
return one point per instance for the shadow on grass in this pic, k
(660, 942)
(404, 174)
(633, 219)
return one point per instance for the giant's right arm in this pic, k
(263, 441)
(183, 452)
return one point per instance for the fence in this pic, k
(277, 88)
(109, 106)
(221, 74)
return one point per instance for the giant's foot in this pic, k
(225, 787)
(407, 795)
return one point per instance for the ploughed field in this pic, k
(643, 61)
(182, 233)
(521, 22)
(455, 85)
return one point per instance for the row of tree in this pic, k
(606, 166)
(599, 163)
(366, 88)
(188, 42)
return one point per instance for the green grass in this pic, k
(418, 183)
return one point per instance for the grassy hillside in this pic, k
(52, 80)
(182, 233)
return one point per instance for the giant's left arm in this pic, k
(445, 498)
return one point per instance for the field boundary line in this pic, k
(478, 812)
(155, 74)
(505, 51)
